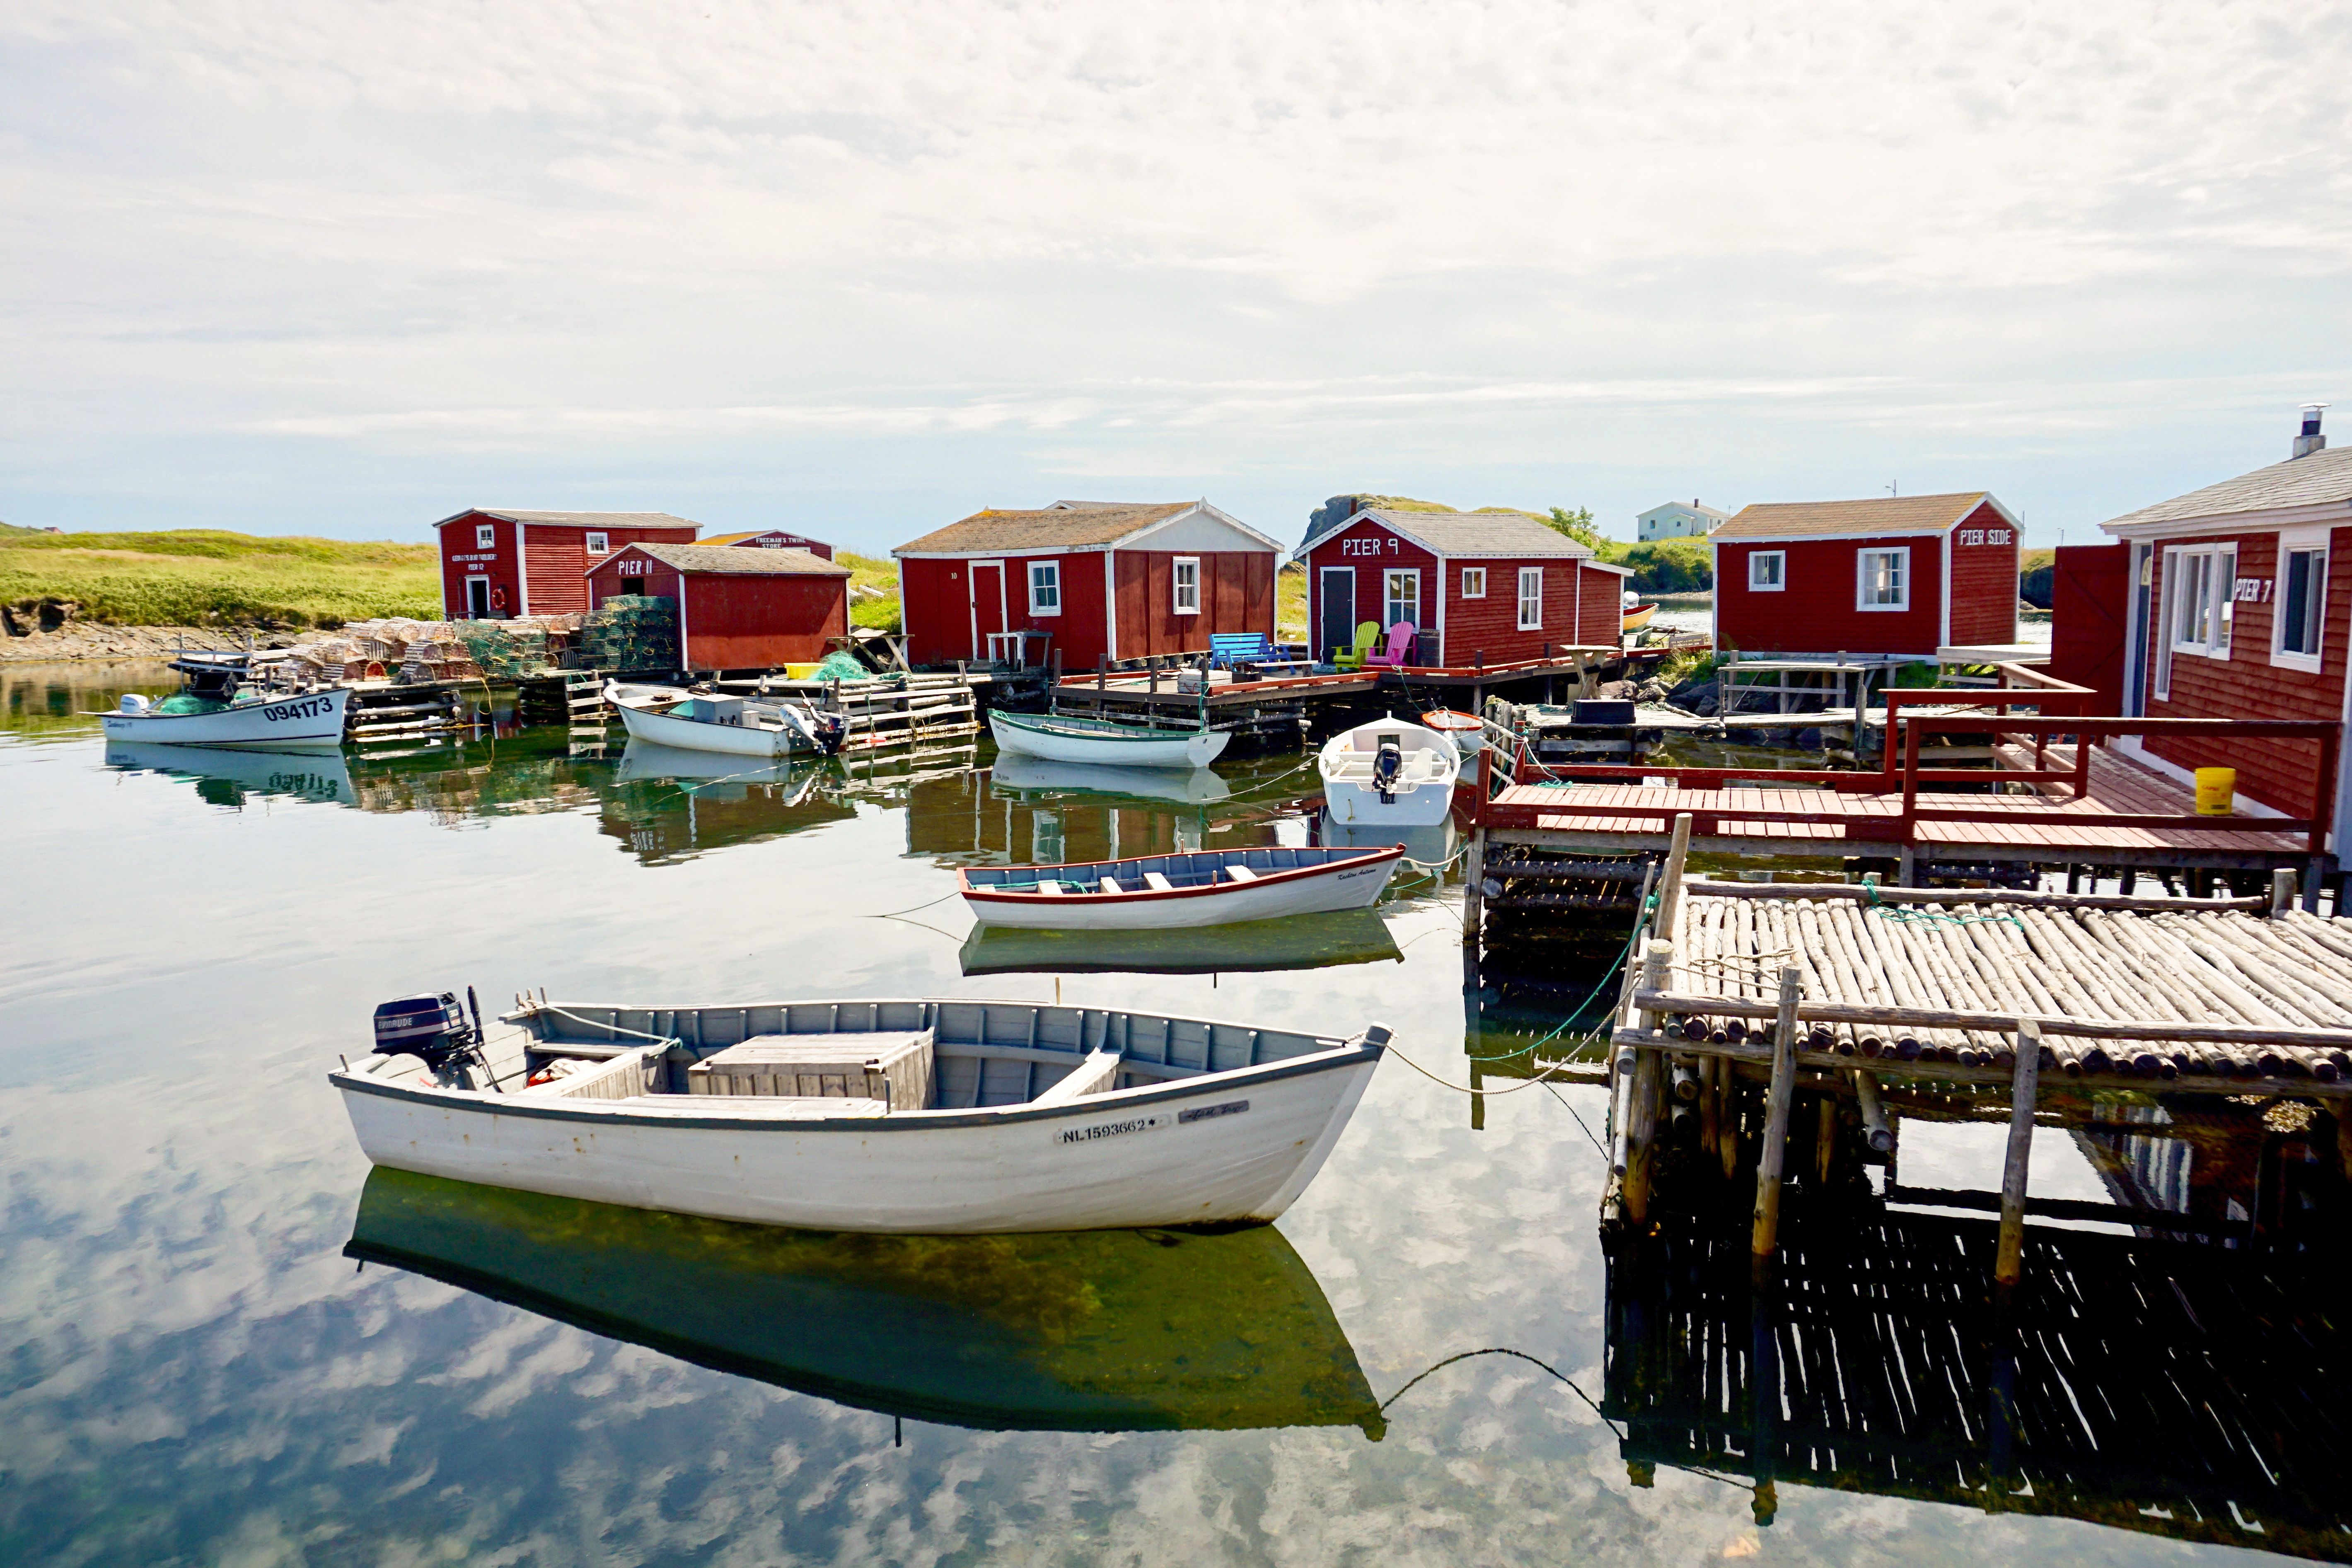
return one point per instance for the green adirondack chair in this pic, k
(1368, 638)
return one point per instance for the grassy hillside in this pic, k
(210, 577)
(884, 613)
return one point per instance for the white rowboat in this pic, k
(1394, 774)
(306, 721)
(1206, 888)
(1062, 738)
(738, 726)
(1036, 1118)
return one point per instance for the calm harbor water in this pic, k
(228, 1344)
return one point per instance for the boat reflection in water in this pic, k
(224, 777)
(1186, 787)
(717, 774)
(668, 804)
(1079, 1332)
(1434, 844)
(1250, 947)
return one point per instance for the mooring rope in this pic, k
(1906, 916)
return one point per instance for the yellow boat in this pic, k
(1638, 615)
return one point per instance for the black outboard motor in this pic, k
(432, 1028)
(1388, 766)
(831, 730)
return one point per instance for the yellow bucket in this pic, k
(2216, 790)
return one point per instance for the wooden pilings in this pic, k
(2008, 1265)
(1769, 1160)
(1644, 1094)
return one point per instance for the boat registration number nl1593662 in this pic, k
(1152, 1122)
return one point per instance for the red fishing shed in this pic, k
(1492, 587)
(1105, 579)
(736, 609)
(2232, 611)
(1901, 574)
(499, 564)
(773, 539)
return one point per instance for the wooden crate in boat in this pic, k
(894, 1065)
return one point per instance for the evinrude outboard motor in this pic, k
(431, 1029)
(1388, 766)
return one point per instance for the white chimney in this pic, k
(2309, 440)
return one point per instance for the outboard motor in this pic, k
(1388, 766)
(431, 1029)
(832, 729)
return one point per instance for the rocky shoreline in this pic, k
(78, 642)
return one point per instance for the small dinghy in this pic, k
(1024, 775)
(1395, 773)
(1064, 738)
(908, 1117)
(740, 726)
(217, 707)
(1206, 888)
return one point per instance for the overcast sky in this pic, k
(348, 268)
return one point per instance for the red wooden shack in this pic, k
(1491, 587)
(1902, 574)
(773, 539)
(1104, 580)
(2232, 612)
(499, 564)
(736, 609)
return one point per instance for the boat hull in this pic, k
(1636, 619)
(1131, 1158)
(1192, 749)
(693, 735)
(310, 721)
(1355, 806)
(1352, 884)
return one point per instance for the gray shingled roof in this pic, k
(1475, 532)
(1851, 519)
(1092, 523)
(735, 562)
(580, 519)
(2319, 480)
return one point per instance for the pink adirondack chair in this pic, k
(1400, 637)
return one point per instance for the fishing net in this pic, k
(841, 667)
(181, 703)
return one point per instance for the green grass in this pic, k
(210, 577)
(884, 613)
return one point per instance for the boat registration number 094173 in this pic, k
(1150, 1123)
(310, 708)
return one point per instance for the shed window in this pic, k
(1045, 587)
(2300, 600)
(486, 536)
(1188, 585)
(1530, 598)
(1767, 571)
(1474, 582)
(2202, 586)
(599, 544)
(1883, 579)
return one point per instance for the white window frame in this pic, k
(1176, 577)
(1780, 582)
(1901, 552)
(1530, 593)
(599, 544)
(1389, 600)
(2204, 576)
(486, 536)
(1474, 582)
(1053, 571)
(2301, 541)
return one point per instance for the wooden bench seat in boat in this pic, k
(1096, 1073)
(1240, 874)
(1157, 883)
(895, 1066)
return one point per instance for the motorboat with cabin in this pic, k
(904, 1116)
(1391, 773)
(705, 721)
(221, 703)
(1202, 888)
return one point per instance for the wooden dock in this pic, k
(1158, 690)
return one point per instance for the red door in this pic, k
(2089, 609)
(988, 607)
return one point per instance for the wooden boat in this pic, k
(1392, 773)
(1466, 731)
(251, 720)
(1253, 947)
(940, 1117)
(1065, 737)
(740, 726)
(1186, 787)
(1638, 615)
(1104, 1330)
(1204, 887)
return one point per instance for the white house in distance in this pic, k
(1675, 520)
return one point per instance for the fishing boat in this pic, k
(1066, 738)
(1637, 614)
(1253, 947)
(740, 726)
(910, 1117)
(1392, 773)
(1094, 1330)
(1466, 731)
(251, 720)
(1034, 776)
(1204, 887)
